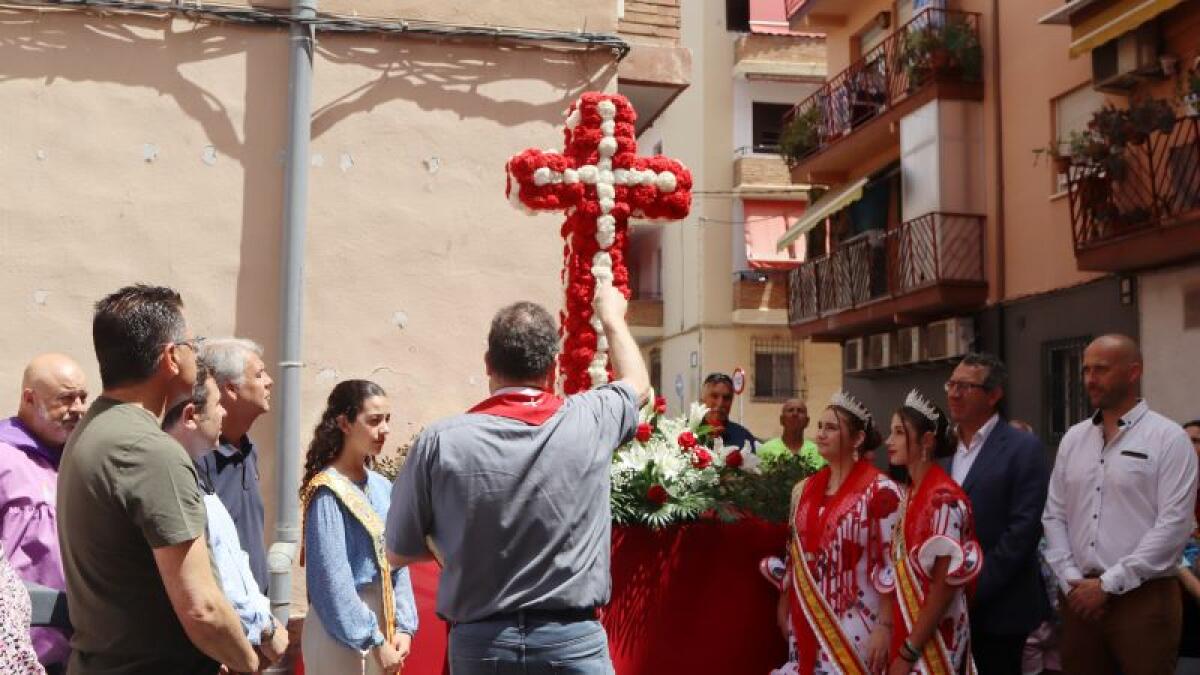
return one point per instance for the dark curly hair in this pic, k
(346, 400)
(522, 342)
(851, 424)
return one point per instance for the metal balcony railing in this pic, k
(936, 45)
(933, 249)
(1151, 182)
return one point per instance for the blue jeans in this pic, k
(510, 647)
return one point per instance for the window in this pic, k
(1072, 111)
(1062, 362)
(737, 16)
(776, 369)
(768, 122)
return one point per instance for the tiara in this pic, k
(851, 405)
(922, 405)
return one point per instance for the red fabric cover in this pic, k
(689, 599)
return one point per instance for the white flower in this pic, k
(570, 176)
(608, 147)
(665, 181)
(750, 462)
(588, 174)
(695, 416)
(607, 109)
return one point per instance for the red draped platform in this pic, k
(687, 599)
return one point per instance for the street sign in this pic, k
(739, 381)
(679, 386)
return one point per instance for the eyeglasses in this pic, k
(959, 385)
(191, 343)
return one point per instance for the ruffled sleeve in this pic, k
(883, 511)
(950, 537)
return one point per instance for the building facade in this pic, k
(711, 291)
(954, 220)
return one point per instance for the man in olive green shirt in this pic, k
(794, 419)
(140, 586)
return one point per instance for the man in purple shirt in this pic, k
(53, 399)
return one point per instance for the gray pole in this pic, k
(282, 555)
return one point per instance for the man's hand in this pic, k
(402, 643)
(274, 647)
(388, 658)
(610, 304)
(1087, 598)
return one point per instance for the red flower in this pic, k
(687, 440)
(657, 495)
(643, 432)
(883, 504)
(701, 458)
(660, 404)
(734, 459)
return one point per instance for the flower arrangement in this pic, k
(676, 469)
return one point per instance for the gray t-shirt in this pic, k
(519, 513)
(125, 488)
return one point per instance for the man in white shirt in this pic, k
(1004, 472)
(1119, 512)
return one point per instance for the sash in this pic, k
(530, 406)
(821, 624)
(935, 657)
(360, 507)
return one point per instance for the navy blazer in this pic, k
(1007, 487)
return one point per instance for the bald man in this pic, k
(1119, 512)
(53, 399)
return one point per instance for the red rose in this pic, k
(657, 495)
(734, 459)
(643, 432)
(660, 404)
(883, 504)
(687, 440)
(701, 458)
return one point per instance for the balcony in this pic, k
(793, 58)
(1144, 211)
(753, 172)
(925, 268)
(760, 297)
(657, 68)
(852, 117)
(646, 312)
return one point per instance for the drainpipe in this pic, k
(1001, 272)
(282, 556)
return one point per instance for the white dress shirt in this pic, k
(1122, 510)
(965, 455)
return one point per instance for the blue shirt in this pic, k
(739, 436)
(232, 471)
(233, 568)
(340, 559)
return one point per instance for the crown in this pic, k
(851, 405)
(922, 405)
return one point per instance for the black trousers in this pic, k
(997, 654)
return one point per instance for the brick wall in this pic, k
(748, 171)
(651, 22)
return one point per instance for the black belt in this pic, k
(525, 616)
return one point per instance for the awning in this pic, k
(1105, 23)
(823, 208)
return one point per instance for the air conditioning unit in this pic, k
(852, 356)
(908, 345)
(949, 339)
(880, 351)
(1120, 64)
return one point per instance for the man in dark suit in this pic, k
(1005, 473)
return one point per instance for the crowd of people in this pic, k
(963, 552)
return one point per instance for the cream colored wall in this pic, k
(1172, 369)
(582, 15)
(147, 150)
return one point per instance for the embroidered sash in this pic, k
(359, 506)
(809, 525)
(935, 657)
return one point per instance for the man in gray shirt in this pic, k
(513, 499)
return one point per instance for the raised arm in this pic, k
(627, 362)
(207, 618)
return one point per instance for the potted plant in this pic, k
(947, 48)
(1149, 115)
(1061, 162)
(802, 135)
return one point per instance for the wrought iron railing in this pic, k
(1154, 182)
(935, 45)
(933, 249)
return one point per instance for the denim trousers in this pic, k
(527, 647)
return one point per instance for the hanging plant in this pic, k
(802, 135)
